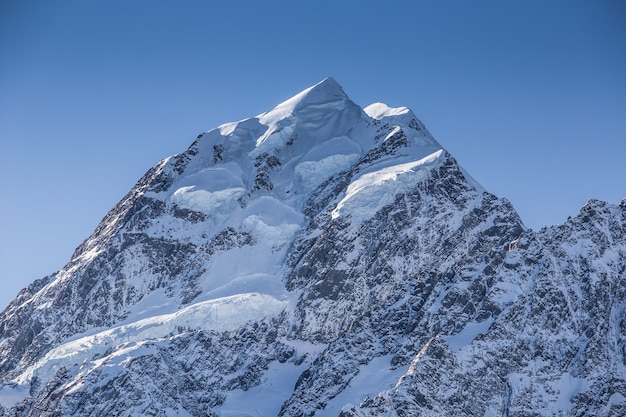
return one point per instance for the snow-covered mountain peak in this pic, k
(323, 96)
(322, 93)
(320, 260)
(327, 90)
(305, 140)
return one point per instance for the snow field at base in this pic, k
(11, 395)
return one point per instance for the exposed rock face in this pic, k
(323, 260)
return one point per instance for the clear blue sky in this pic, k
(529, 96)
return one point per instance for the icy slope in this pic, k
(321, 259)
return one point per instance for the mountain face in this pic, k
(322, 259)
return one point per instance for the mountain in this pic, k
(321, 259)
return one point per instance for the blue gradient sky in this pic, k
(530, 96)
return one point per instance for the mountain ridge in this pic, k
(279, 260)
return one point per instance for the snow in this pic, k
(152, 304)
(278, 382)
(327, 93)
(279, 235)
(266, 398)
(11, 395)
(275, 136)
(228, 128)
(505, 292)
(242, 270)
(313, 173)
(209, 189)
(276, 387)
(372, 191)
(227, 313)
(272, 222)
(321, 116)
(557, 392)
(327, 159)
(615, 399)
(272, 212)
(374, 377)
(313, 109)
(204, 201)
(468, 334)
(379, 111)
(341, 145)
(568, 387)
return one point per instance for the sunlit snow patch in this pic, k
(374, 190)
(380, 110)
